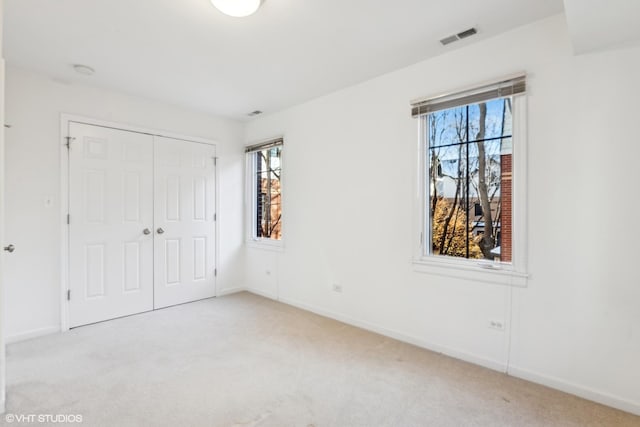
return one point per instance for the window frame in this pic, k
(512, 274)
(251, 205)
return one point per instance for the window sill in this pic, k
(266, 245)
(496, 274)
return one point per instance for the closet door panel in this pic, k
(110, 206)
(184, 221)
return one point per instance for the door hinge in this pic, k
(68, 294)
(215, 272)
(68, 143)
(215, 161)
(215, 216)
(68, 219)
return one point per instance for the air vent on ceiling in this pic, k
(445, 41)
(254, 113)
(467, 33)
(461, 35)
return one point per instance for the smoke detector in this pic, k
(85, 70)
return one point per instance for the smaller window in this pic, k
(265, 190)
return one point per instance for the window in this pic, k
(265, 191)
(467, 204)
(469, 159)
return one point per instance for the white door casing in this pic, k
(110, 206)
(2, 242)
(184, 221)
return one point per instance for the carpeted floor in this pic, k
(243, 360)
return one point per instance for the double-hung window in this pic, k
(472, 172)
(264, 164)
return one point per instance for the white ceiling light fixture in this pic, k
(237, 8)
(85, 70)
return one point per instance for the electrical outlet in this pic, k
(336, 287)
(496, 324)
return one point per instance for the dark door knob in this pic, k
(10, 248)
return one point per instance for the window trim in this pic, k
(250, 201)
(513, 274)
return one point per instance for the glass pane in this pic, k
(497, 119)
(268, 194)
(470, 181)
(449, 227)
(447, 127)
(448, 202)
(485, 184)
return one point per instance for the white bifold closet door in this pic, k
(184, 221)
(142, 230)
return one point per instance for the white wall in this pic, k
(34, 105)
(348, 193)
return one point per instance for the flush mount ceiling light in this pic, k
(83, 69)
(237, 8)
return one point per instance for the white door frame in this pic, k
(3, 369)
(65, 119)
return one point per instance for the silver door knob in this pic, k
(10, 248)
(160, 231)
(146, 231)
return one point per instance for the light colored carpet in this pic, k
(243, 360)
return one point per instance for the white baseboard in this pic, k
(265, 294)
(34, 333)
(467, 357)
(230, 291)
(548, 381)
(576, 390)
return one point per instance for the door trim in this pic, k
(65, 120)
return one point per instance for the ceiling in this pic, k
(187, 53)
(600, 24)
